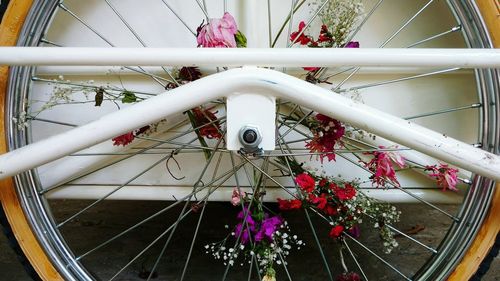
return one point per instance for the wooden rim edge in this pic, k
(9, 30)
(487, 234)
(490, 11)
(482, 243)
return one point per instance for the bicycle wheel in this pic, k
(138, 171)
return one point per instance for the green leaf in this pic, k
(241, 40)
(99, 96)
(128, 97)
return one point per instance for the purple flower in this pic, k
(218, 33)
(355, 231)
(352, 44)
(242, 226)
(268, 227)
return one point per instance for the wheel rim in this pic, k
(436, 268)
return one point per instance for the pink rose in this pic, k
(218, 33)
(236, 197)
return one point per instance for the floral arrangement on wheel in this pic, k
(261, 236)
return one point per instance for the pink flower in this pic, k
(446, 177)
(236, 197)
(306, 182)
(218, 33)
(382, 166)
(124, 139)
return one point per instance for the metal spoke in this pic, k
(355, 260)
(52, 121)
(178, 17)
(405, 235)
(290, 22)
(377, 256)
(136, 35)
(150, 245)
(309, 22)
(245, 222)
(205, 148)
(295, 125)
(107, 88)
(255, 188)
(159, 142)
(184, 208)
(66, 9)
(269, 25)
(405, 191)
(370, 85)
(306, 212)
(238, 185)
(113, 191)
(225, 174)
(195, 235)
(124, 21)
(287, 20)
(203, 9)
(442, 111)
(354, 33)
(453, 29)
(172, 227)
(387, 41)
(43, 40)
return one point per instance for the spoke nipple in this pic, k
(466, 181)
(477, 145)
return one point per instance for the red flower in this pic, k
(206, 119)
(324, 35)
(330, 210)
(288, 205)
(321, 201)
(127, 138)
(345, 193)
(303, 39)
(351, 276)
(446, 177)
(327, 133)
(336, 231)
(123, 139)
(322, 182)
(306, 182)
(310, 68)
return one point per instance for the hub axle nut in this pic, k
(250, 137)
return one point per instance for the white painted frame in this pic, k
(260, 81)
(276, 57)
